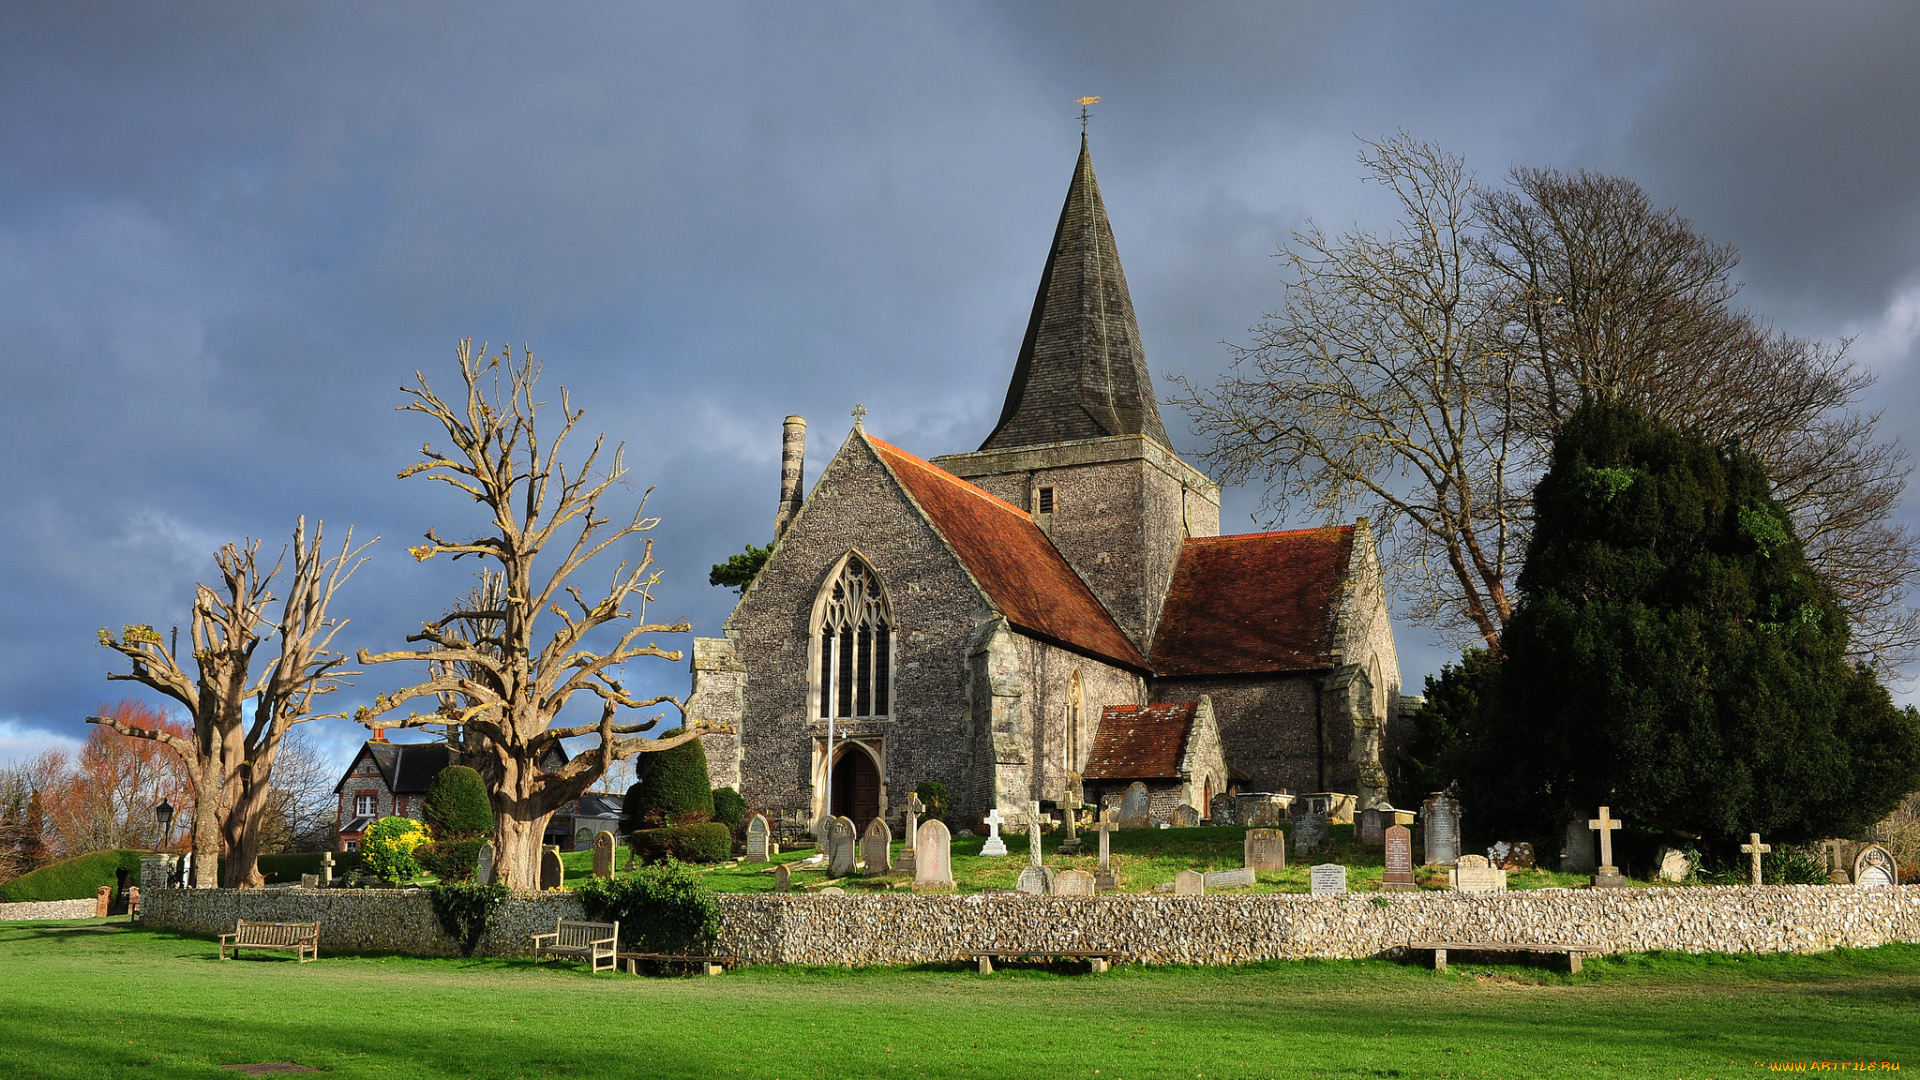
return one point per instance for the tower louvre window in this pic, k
(854, 675)
(1046, 500)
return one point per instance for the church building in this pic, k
(988, 620)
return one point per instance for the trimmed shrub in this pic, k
(660, 908)
(457, 804)
(706, 842)
(730, 809)
(934, 795)
(450, 860)
(387, 849)
(78, 878)
(671, 788)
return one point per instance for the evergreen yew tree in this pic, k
(457, 804)
(1672, 656)
(672, 788)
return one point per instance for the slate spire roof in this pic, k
(1081, 373)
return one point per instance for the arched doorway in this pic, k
(856, 788)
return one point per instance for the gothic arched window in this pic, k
(853, 673)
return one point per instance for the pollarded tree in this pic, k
(1674, 657)
(500, 687)
(229, 756)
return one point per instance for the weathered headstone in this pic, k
(833, 890)
(1472, 873)
(759, 839)
(842, 842)
(1073, 883)
(1222, 811)
(1441, 817)
(1185, 817)
(326, 865)
(1576, 854)
(914, 809)
(309, 881)
(1034, 881)
(1371, 826)
(603, 854)
(1189, 883)
(1674, 864)
(1264, 850)
(1398, 840)
(1070, 805)
(1833, 852)
(1607, 876)
(482, 865)
(933, 856)
(1752, 847)
(1328, 878)
(877, 847)
(782, 878)
(1035, 819)
(1135, 807)
(1105, 879)
(1262, 810)
(1517, 855)
(552, 871)
(1309, 832)
(1230, 879)
(995, 847)
(1874, 867)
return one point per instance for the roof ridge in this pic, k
(1268, 535)
(940, 473)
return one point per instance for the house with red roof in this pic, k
(1052, 613)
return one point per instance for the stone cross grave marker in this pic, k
(1070, 805)
(933, 856)
(841, 842)
(1224, 879)
(1473, 873)
(1398, 840)
(1836, 862)
(552, 871)
(877, 847)
(1035, 819)
(782, 878)
(914, 809)
(603, 854)
(1135, 807)
(1752, 847)
(1328, 878)
(1440, 816)
(1073, 883)
(1109, 820)
(1874, 868)
(995, 847)
(1189, 883)
(759, 839)
(1309, 832)
(1371, 826)
(1264, 850)
(326, 865)
(1608, 875)
(1185, 816)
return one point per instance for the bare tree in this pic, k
(230, 756)
(1380, 383)
(499, 688)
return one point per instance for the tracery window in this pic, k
(853, 673)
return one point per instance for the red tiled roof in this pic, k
(1020, 569)
(1140, 742)
(1257, 602)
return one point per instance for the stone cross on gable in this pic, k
(1754, 847)
(1035, 819)
(1605, 825)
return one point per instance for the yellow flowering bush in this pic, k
(387, 848)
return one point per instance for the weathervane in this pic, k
(1084, 114)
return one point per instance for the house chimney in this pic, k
(379, 735)
(793, 458)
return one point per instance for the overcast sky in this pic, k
(228, 233)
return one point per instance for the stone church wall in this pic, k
(1047, 671)
(1267, 729)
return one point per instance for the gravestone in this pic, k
(1328, 878)
(1222, 810)
(1398, 840)
(1511, 856)
(1674, 864)
(1576, 854)
(1832, 852)
(1034, 881)
(1309, 832)
(1472, 873)
(1035, 819)
(1874, 868)
(1227, 879)
(933, 856)
(1264, 850)
(877, 847)
(1752, 847)
(1189, 883)
(1109, 821)
(1073, 883)
(1441, 818)
(1371, 826)
(782, 878)
(1135, 808)
(914, 809)
(1070, 805)
(482, 865)
(552, 871)
(1263, 811)
(841, 843)
(833, 890)
(603, 855)
(995, 847)
(326, 866)
(1185, 817)
(309, 881)
(759, 839)
(1607, 875)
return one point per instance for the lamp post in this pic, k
(164, 815)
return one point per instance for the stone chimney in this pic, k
(793, 460)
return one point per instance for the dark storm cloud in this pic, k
(228, 233)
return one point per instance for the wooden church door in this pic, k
(856, 788)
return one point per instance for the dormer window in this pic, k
(1046, 500)
(853, 673)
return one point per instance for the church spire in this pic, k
(1081, 373)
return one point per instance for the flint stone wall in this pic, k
(889, 929)
(50, 909)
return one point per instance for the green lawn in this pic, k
(82, 1000)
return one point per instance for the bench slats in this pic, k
(302, 938)
(597, 942)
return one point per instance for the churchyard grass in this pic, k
(85, 1000)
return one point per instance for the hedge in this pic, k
(78, 878)
(672, 788)
(707, 842)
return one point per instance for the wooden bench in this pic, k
(710, 965)
(1441, 948)
(1097, 960)
(596, 941)
(302, 937)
